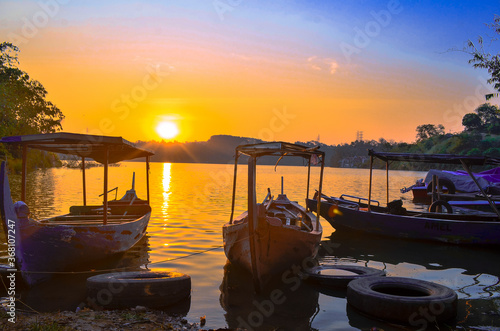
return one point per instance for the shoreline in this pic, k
(87, 319)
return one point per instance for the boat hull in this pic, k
(45, 250)
(410, 227)
(42, 248)
(278, 247)
(420, 193)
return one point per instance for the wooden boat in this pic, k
(456, 181)
(457, 226)
(41, 248)
(272, 236)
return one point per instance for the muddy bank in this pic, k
(131, 319)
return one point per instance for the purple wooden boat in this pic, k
(456, 226)
(456, 181)
(38, 249)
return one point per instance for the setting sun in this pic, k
(167, 130)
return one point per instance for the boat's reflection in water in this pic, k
(67, 291)
(286, 304)
(472, 260)
(473, 272)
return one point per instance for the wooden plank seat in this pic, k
(112, 210)
(127, 203)
(84, 222)
(89, 219)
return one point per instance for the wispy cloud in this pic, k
(333, 66)
(322, 64)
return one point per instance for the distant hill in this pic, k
(218, 149)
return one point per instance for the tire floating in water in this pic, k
(402, 299)
(152, 289)
(321, 275)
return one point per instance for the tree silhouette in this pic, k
(484, 60)
(472, 122)
(426, 131)
(486, 119)
(23, 105)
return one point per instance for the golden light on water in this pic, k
(188, 213)
(166, 187)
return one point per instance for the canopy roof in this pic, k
(435, 158)
(84, 145)
(279, 148)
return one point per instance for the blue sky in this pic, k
(360, 65)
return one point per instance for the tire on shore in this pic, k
(318, 278)
(402, 299)
(152, 289)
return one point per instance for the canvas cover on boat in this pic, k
(279, 148)
(464, 183)
(99, 148)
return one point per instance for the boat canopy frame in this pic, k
(435, 158)
(465, 161)
(279, 149)
(103, 149)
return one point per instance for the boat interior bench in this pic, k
(115, 209)
(93, 214)
(89, 219)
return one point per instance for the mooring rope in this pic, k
(125, 268)
(117, 269)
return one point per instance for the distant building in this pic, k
(354, 161)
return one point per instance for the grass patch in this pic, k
(132, 316)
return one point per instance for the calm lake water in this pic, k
(190, 204)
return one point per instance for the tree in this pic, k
(494, 126)
(486, 120)
(472, 122)
(484, 60)
(23, 105)
(492, 152)
(488, 113)
(426, 131)
(474, 152)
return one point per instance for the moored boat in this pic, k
(41, 248)
(272, 236)
(456, 226)
(456, 181)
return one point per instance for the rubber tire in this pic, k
(437, 300)
(339, 281)
(151, 289)
(435, 204)
(443, 182)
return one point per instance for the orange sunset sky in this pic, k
(275, 70)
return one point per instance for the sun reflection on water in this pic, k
(166, 187)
